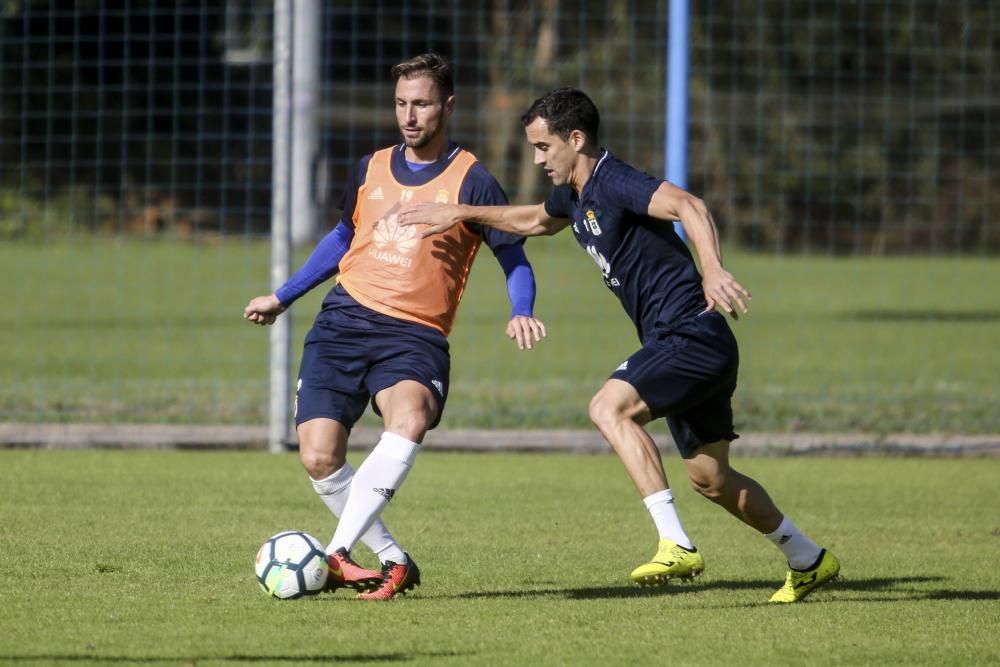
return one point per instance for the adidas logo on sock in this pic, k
(385, 493)
(784, 538)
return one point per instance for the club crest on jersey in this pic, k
(376, 194)
(441, 197)
(592, 225)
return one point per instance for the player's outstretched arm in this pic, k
(670, 202)
(529, 220)
(263, 310)
(322, 263)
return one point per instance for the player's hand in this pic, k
(437, 217)
(525, 330)
(722, 290)
(263, 310)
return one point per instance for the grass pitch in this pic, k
(109, 331)
(114, 557)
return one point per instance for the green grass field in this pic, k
(146, 558)
(133, 331)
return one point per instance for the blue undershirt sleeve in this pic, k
(520, 279)
(322, 264)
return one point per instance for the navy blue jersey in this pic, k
(642, 260)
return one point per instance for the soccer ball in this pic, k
(291, 564)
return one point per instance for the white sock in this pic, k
(799, 550)
(333, 491)
(668, 523)
(375, 483)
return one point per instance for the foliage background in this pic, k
(834, 127)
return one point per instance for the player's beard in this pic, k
(429, 133)
(418, 141)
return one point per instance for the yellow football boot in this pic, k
(671, 561)
(800, 583)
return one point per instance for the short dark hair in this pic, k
(431, 65)
(565, 110)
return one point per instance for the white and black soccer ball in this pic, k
(291, 564)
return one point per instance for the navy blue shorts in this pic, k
(348, 358)
(688, 375)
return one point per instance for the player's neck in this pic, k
(430, 152)
(583, 170)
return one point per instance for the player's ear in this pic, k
(449, 105)
(578, 140)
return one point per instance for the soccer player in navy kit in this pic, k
(382, 332)
(687, 365)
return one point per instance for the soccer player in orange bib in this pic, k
(381, 335)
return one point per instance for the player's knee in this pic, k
(317, 467)
(709, 485)
(603, 413)
(410, 424)
(318, 462)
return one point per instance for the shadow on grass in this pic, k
(90, 656)
(922, 315)
(899, 585)
(962, 595)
